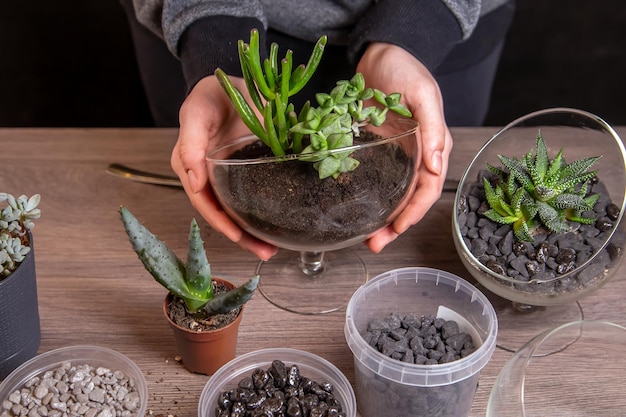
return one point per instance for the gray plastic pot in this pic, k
(20, 333)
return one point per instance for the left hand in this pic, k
(392, 69)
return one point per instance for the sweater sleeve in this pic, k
(203, 34)
(428, 29)
(169, 19)
(211, 42)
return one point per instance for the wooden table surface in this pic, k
(93, 290)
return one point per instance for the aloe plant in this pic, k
(330, 126)
(190, 281)
(536, 190)
(16, 219)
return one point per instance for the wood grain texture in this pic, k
(93, 290)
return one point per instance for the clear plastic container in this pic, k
(95, 356)
(387, 387)
(311, 366)
(576, 369)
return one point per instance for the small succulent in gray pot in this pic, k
(20, 333)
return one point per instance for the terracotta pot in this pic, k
(205, 352)
(20, 333)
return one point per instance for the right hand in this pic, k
(208, 120)
(391, 68)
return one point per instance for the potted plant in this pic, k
(20, 333)
(315, 179)
(204, 312)
(544, 228)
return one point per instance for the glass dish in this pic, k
(573, 370)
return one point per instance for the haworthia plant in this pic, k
(536, 190)
(189, 281)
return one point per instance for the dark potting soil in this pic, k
(551, 255)
(424, 340)
(288, 200)
(279, 390)
(200, 322)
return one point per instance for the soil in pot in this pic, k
(205, 343)
(289, 199)
(551, 256)
(199, 322)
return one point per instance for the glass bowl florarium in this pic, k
(315, 180)
(315, 220)
(537, 218)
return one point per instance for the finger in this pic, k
(382, 238)
(432, 127)
(263, 250)
(188, 158)
(427, 193)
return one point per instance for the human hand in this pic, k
(392, 69)
(208, 120)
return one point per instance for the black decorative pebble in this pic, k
(422, 340)
(551, 255)
(279, 391)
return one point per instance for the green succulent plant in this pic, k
(330, 126)
(190, 281)
(16, 219)
(536, 190)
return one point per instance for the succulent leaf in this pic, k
(592, 199)
(542, 162)
(235, 298)
(16, 219)
(518, 170)
(161, 262)
(190, 282)
(570, 201)
(198, 269)
(328, 166)
(521, 230)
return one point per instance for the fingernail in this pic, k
(436, 162)
(193, 181)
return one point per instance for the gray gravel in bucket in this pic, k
(421, 340)
(75, 390)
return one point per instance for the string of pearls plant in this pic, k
(16, 220)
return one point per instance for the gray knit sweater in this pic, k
(203, 33)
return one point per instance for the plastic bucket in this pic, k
(387, 387)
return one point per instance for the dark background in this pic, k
(71, 63)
